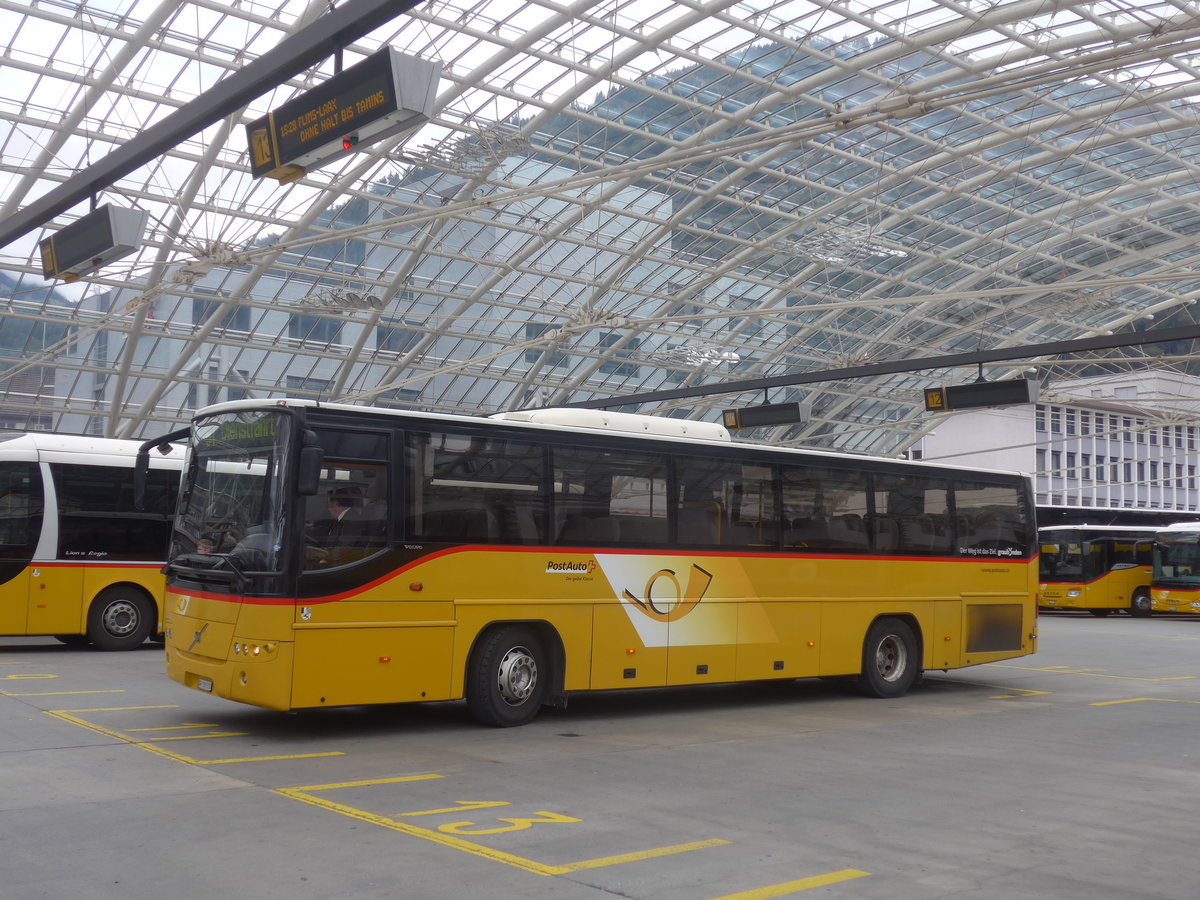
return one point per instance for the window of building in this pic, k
(1072, 428)
(1039, 418)
(1055, 420)
(1071, 473)
(1100, 473)
(534, 330)
(323, 329)
(1127, 430)
(1056, 463)
(1085, 462)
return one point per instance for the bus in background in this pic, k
(382, 556)
(77, 561)
(1096, 568)
(1175, 587)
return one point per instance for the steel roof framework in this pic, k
(612, 199)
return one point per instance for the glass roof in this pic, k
(608, 199)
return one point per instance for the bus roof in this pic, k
(78, 448)
(1102, 529)
(1179, 527)
(702, 434)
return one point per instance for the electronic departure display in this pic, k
(102, 236)
(981, 393)
(383, 95)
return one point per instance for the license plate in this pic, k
(204, 684)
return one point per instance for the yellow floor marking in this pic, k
(307, 795)
(67, 715)
(370, 782)
(794, 887)
(463, 806)
(1015, 693)
(1142, 700)
(1092, 673)
(200, 737)
(29, 676)
(445, 840)
(603, 861)
(59, 694)
(172, 727)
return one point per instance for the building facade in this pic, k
(1126, 441)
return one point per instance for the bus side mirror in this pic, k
(308, 479)
(141, 467)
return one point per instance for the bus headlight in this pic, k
(1073, 593)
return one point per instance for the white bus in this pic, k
(77, 560)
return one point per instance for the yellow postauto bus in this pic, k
(1096, 568)
(328, 555)
(1176, 583)
(77, 560)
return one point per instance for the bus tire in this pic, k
(507, 677)
(890, 659)
(1139, 604)
(120, 618)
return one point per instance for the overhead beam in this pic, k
(999, 354)
(314, 42)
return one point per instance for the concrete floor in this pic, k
(1073, 773)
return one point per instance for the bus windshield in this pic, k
(232, 509)
(1177, 560)
(1063, 560)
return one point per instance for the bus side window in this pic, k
(20, 509)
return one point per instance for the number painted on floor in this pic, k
(463, 806)
(513, 824)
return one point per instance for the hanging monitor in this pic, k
(982, 393)
(381, 96)
(766, 414)
(102, 236)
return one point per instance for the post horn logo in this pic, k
(683, 601)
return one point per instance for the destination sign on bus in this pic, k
(386, 93)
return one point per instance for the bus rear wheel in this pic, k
(507, 677)
(120, 618)
(1139, 604)
(890, 660)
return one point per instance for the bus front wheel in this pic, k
(1139, 604)
(507, 677)
(120, 618)
(890, 661)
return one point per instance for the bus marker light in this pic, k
(630, 651)
(416, 586)
(385, 659)
(946, 638)
(257, 649)
(812, 643)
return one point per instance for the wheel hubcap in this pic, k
(120, 618)
(891, 658)
(517, 676)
